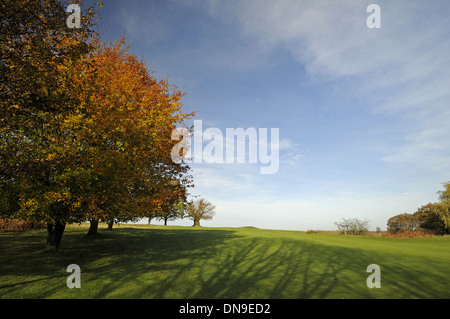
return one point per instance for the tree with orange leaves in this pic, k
(85, 128)
(124, 128)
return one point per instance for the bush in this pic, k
(409, 234)
(311, 231)
(15, 225)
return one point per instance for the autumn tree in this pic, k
(36, 47)
(85, 128)
(402, 222)
(200, 209)
(123, 130)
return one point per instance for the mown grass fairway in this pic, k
(184, 262)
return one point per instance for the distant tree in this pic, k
(353, 226)
(200, 209)
(402, 222)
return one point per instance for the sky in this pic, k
(362, 113)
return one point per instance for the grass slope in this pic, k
(185, 262)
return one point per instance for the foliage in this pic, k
(402, 222)
(353, 226)
(444, 195)
(122, 132)
(14, 225)
(435, 217)
(444, 206)
(431, 217)
(406, 233)
(172, 210)
(36, 49)
(444, 212)
(85, 128)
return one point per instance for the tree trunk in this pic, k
(93, 228)
(110, 225)
(149, 220)
(54, 235)
(196, 222)
(165, 221)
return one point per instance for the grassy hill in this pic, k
(186, 262)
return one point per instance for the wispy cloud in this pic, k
(401, 70)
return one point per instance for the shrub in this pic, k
(311, 231)
(409, 234)
(15, 225)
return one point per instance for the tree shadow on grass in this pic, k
(110, 258)
(234, 267)
(271, 269)
(214, 263)
(295, 269)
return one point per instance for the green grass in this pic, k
(186, 262)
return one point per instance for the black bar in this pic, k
(224, 308)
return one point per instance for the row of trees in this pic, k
(432, 217)
(85, 128)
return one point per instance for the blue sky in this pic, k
(363, 114)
